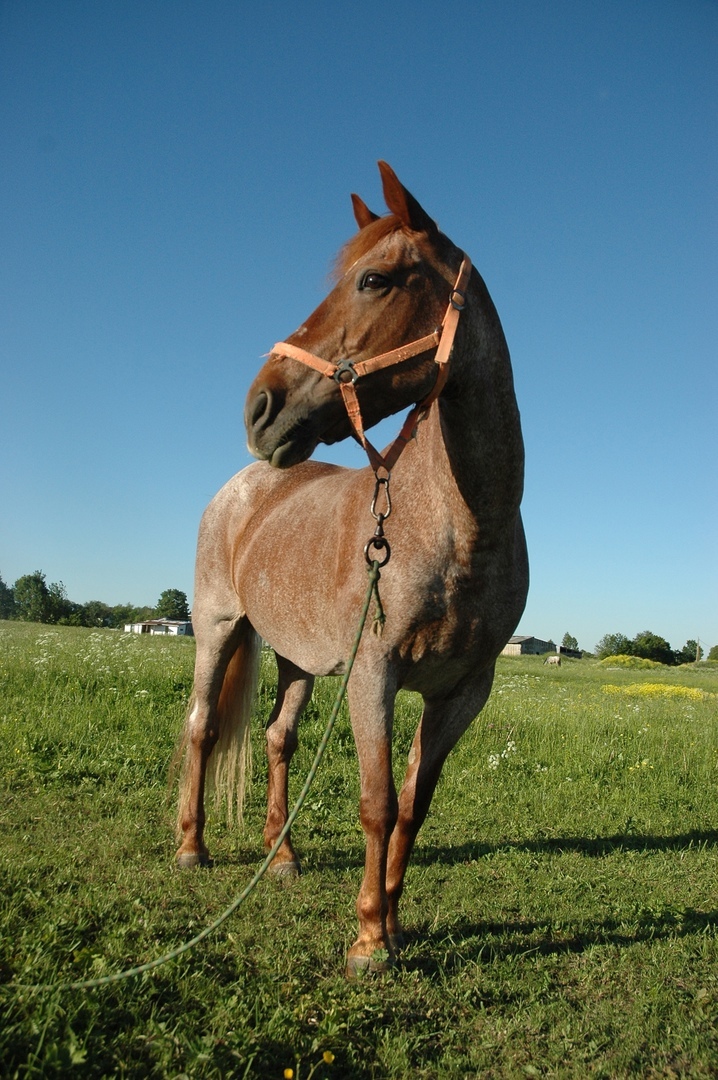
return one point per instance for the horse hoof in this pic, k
(358, 966)
(187, 860)
(285, 869)
(397, 942)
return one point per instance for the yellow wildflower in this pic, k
(668, 690)
(328, 1057)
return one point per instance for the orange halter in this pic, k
(346, 372)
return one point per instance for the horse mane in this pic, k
(363, 241)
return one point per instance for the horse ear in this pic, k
(362, 213)
(402, 203)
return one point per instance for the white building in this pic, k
(176, 627)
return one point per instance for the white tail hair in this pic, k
(230, 763)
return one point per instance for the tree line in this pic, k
(31, 599)
(651, 646)
(647, 645)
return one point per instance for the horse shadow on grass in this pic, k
(485, 942)
(592, 847)
(339, 853)
(476, 942)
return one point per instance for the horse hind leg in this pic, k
(294, 689)
(220, 709)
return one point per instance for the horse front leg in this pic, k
(372, 713)
(294, 689)
(441, 726)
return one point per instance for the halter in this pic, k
(346, 373)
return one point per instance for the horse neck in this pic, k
(472, 444)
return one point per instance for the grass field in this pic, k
(562, 904)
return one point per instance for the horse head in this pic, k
(393, 280)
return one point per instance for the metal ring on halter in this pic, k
(454, 303)
(345, 367)
(379, 543)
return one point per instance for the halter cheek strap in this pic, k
(346, 372)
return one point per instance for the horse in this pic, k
(553, 660)
(279, 553)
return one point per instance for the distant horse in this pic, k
(280, 547)
(553, 660)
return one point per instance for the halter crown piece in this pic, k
(346, 372)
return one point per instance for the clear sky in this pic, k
(175, 179)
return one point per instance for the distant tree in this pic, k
(60, 607)
(569, 642)
(32, 598)
(614, 645)
(690, 652)
(123, 614)
(713, 652)
(172, 604)
(36, 601)
(95, 613)
(7, 601)
(142, 614)
(652, 647)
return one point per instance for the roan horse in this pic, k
(279, 554)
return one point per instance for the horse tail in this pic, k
(230, 763)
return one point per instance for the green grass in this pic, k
(562, 904)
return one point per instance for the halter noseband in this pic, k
(346, 372)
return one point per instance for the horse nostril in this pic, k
(261, 410)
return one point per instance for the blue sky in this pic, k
(175, 179)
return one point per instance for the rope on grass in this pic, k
(173, 954)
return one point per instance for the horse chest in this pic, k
(445, 622)
(462, 614)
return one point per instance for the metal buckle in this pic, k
(454, 303)
(345, 367)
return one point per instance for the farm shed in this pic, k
(176, 627)
(527, 646)
(575, 654)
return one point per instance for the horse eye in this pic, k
(375, 281)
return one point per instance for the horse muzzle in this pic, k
(276, 432)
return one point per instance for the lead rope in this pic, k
(173, 954)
